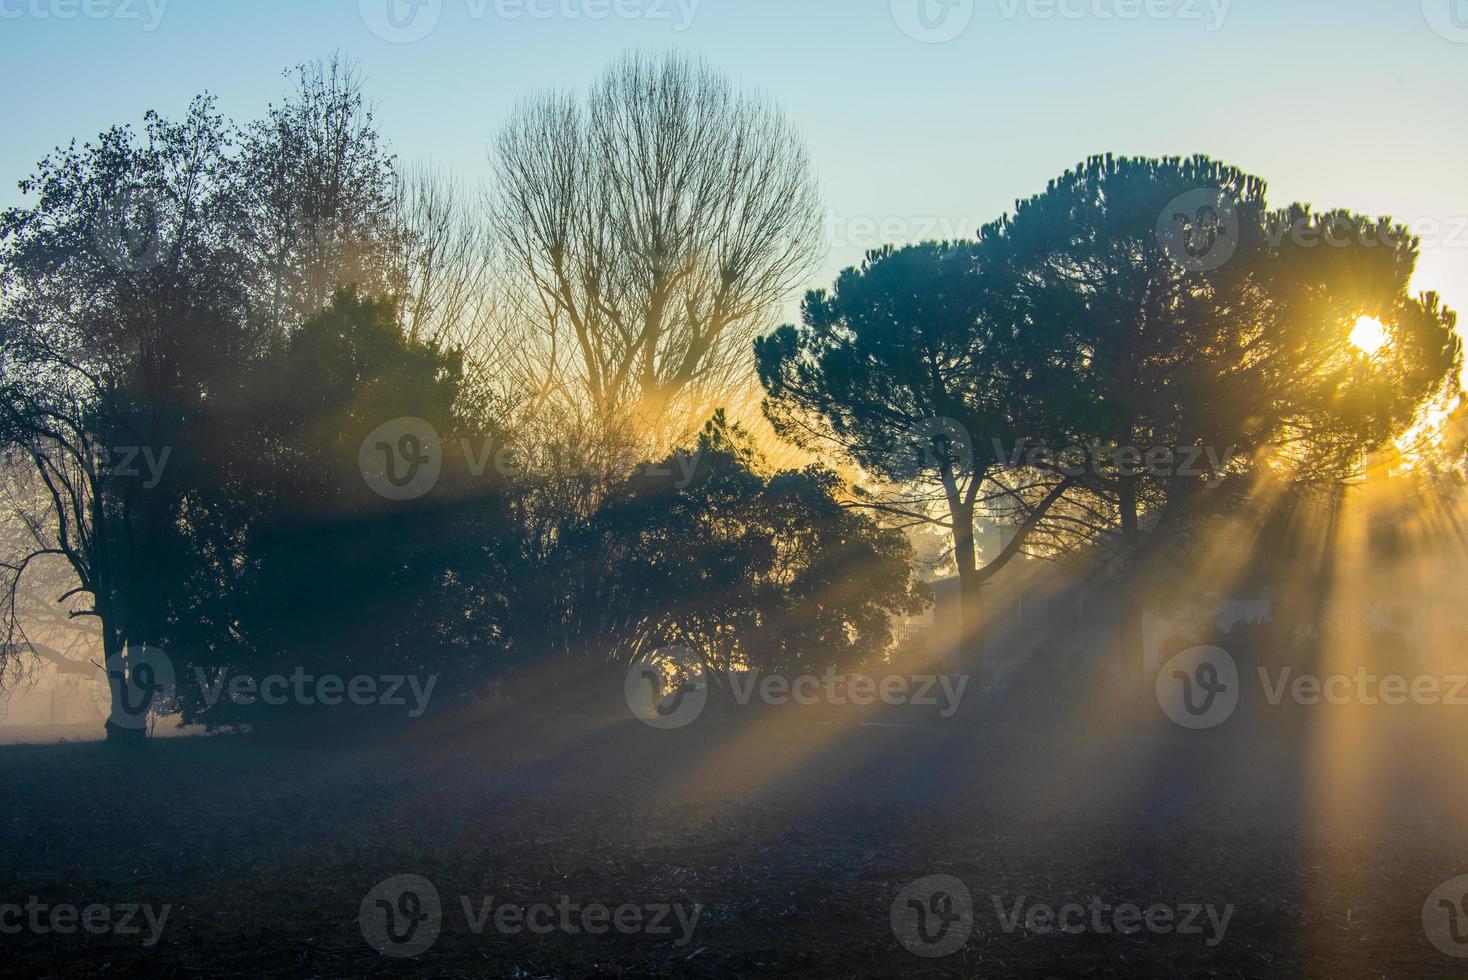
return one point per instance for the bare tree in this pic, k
(440, 260)
(44, 610)
(651, 229)
(318, 185)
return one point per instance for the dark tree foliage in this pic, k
(328, 576)
(912, 367)
(211, 307)
(124, 320)
(1113, 310)
(318, 183)
(153, 302)
(1253, 354)
(1223, 325)
(745, 569)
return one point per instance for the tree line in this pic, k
(244, 304)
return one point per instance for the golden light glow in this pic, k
(1370, 335)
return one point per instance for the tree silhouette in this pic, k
(123, 317)
(321, 193)
(1208, 320)
(650, 229)
(1134, 304)
(910, 365)
(326, 575)
(704, 551)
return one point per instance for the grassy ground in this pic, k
(793, 840)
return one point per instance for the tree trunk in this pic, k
(127, 720)
(1130, 639)
(972, 626)
(972, 620)
(120, 735)
(1130, 631)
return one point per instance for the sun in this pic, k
(1370, 335)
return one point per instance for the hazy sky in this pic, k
(916, 134)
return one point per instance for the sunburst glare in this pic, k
(1369, 335)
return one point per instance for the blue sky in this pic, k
(1354, 103)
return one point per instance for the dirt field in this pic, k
(785, 846)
